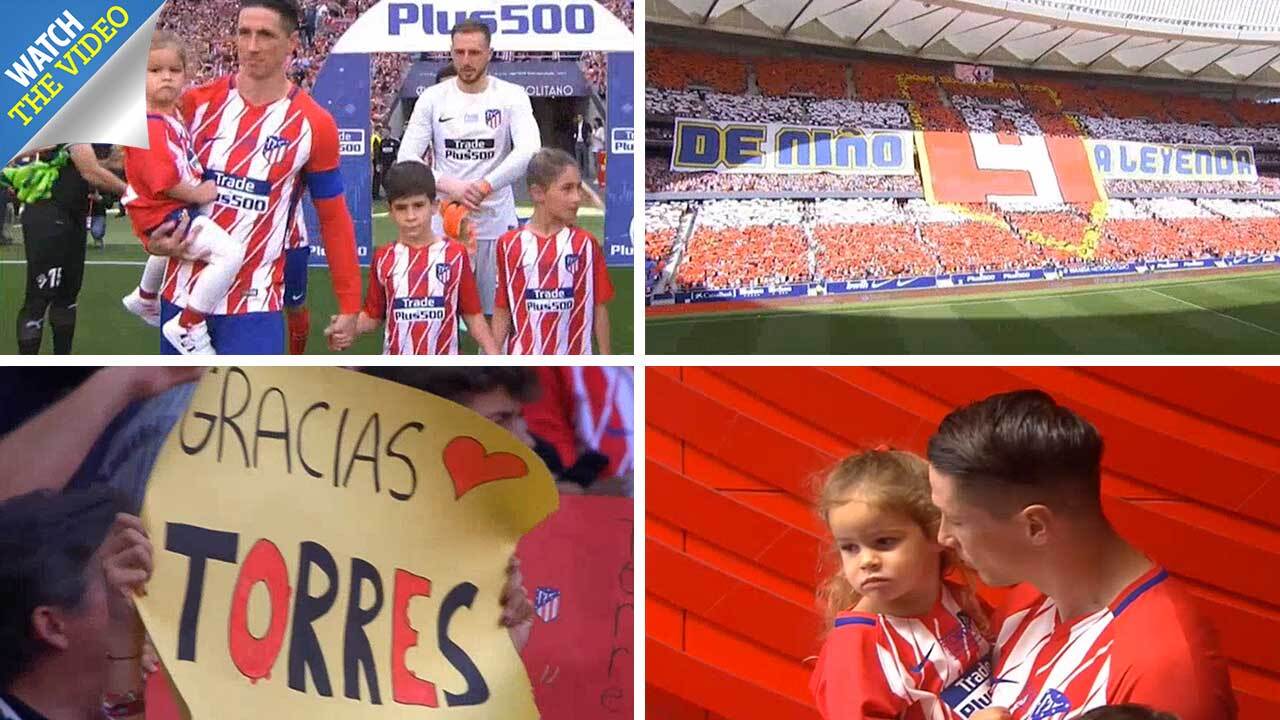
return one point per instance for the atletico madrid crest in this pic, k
(493, 118)
(274, 148)
(546, 602)
(443, 271)
(1052, 706)
(571, 262)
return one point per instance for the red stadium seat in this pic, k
(787, 76)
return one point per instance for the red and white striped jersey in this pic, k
(420, 291)
(170, 161)
(260, 157)
(552, 286)
(586, 408)
(933, 667)
(1149, 646)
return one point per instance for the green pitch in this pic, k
(1236, 313)
(104, 327)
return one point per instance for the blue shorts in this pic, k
(295, 276)
(260, 333)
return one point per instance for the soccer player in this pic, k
(552, 280)
(260, 139)
(422, 282)
(1017, 478)
(482, 134)
(54, 226)
(385, 156)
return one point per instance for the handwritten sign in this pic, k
(578, 568)
(330, 544)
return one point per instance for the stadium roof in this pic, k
(1232, 41)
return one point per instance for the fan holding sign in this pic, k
(373, 604)
(367, 595)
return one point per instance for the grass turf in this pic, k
(1223, 314)
(104, 327)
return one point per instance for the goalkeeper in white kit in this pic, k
(482, 135)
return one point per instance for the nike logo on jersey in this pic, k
(924, 661)
(445, 119)
(297, 298)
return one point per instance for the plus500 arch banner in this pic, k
(549, 26)
(712, 145)
(1127, 160)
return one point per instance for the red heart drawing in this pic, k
(470, 466)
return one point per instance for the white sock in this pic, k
(224, 255)
(153, 274)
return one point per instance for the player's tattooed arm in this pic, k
(93, 171)
(115, 161)
(501, 325)
(479, 330)
(43, 452)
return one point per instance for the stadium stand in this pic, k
(743, 243)
(881, 227)
(761, 242)
(893, 94)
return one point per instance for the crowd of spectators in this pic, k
(743, 243)
(206, 25)
(662, 224)
(761, 242)
(850, 251)
(595, 68)
(710, 105)
(659, 177)
(1265, 185)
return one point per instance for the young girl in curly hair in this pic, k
(906, 641)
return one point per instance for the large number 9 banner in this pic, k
(976, 167)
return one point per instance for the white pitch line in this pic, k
(813, 309)
(862, 310)
(136, 263)
(1269, 331)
